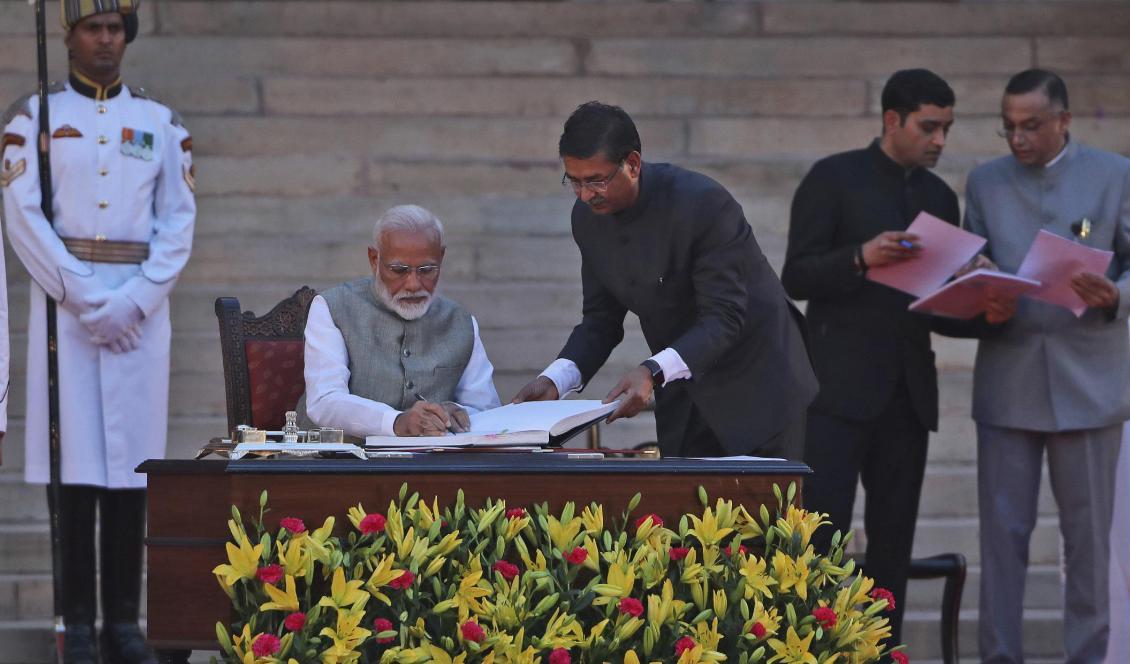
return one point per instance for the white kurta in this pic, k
(114, 407)
(329, 403)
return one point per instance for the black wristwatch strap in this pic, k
(656, 371)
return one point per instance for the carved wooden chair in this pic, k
(263, 359)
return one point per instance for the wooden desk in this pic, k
(190, 503)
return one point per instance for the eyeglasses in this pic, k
(1023, 132)
(595, 186)
(424, 272)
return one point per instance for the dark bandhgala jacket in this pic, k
(865, 343)
(684, 260)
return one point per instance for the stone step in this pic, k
(1043, 634)
(663, 19)
(186, 436)
(1044, 590)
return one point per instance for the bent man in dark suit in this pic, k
(729, 369)
(878, 396)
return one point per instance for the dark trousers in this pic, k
(889, 454)
(699, 440)
(121, 513)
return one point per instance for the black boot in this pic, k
(76, 539)
(123, 527)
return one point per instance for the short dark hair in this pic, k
(908, 89)
(599, 128)
(1047, 82)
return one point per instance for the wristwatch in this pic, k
(656, 371)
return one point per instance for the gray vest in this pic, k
(392, 359)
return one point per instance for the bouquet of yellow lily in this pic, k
(505, 584)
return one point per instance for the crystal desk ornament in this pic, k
(292, 441)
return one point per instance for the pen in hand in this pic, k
(456, 426)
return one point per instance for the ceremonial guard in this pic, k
(121, 167)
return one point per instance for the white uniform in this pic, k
(122, 170)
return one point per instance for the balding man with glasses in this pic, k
(729, 370)
(1049, 381)
(387, 356)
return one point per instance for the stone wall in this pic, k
(310, 118)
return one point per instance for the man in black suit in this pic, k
(729, 370)
(878, 397)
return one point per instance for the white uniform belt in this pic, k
(100, 250)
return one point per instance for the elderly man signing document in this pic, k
(387, 356)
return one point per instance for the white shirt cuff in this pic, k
(565, 375)
(674, 368)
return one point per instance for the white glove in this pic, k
(113, 315)
(129, 341)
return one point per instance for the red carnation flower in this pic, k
(683, 644)
(678, 553)
(507, 570)
(900, 657)
(403, 581)
(577, 555)
(372, 523)
(472, 631)
(293, 524)
(758, 630)
(271, 574)
(265, 645)
(825, 616)
(383, 625)
(295, 621)
(560, 656)
(631, 606)
(515, 513)
(655, 520)
(741, 550)
(883, 593)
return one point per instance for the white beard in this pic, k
(406, 310)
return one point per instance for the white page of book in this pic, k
(556, 417)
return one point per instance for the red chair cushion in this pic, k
(274, 369)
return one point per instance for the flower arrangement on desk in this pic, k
(505, 584)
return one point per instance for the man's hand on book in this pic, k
(890, 247)
(422, 419)
(460, 421)
(999, 307)
(634, 392)
(978, 262)
(1095, 290)
(538, 389)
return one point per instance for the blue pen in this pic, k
(907, 243)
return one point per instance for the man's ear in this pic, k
(374, 258)
(633, 160)
(891, 120)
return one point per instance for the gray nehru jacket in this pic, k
(392, 359)
(1048, 370)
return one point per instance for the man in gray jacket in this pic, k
(1048, 380)
(386, 355)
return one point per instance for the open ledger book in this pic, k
(967, 296)
(516, 424)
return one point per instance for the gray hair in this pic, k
(411, 218)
